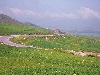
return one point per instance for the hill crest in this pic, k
(8, 20)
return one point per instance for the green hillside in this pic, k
(65, 42)
(9, 29)
(47, 58)
(29, 61)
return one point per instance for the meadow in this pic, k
(29, 61)
(63, 42)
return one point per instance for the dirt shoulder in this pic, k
(82, 53)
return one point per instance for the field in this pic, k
(28, 61)
(66, 42)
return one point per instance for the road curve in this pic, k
(5, 40)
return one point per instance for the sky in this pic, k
(60, 14)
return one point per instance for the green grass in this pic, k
(28, 61)
(48, 60)
(9, 29)
(66, 42)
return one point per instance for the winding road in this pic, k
(5, 40)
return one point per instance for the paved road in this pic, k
(5, 40)
(32, 35)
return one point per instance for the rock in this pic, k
(80, 54)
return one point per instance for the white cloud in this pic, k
(16, 10)
(46, 14)
(60, 15)
(83, 12)
(87, 13)
(29, 12)
(71, 16)
(22, 12)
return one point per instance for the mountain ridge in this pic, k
(8, 20)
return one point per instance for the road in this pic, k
(5, 40)
(31, 35)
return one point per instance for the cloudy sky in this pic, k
(62, 14)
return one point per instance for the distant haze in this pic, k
(61, 14)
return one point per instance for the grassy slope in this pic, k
(8, 29)
(28, 61)
(67, 42)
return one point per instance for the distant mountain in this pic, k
(85, 31)
(90, 31)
